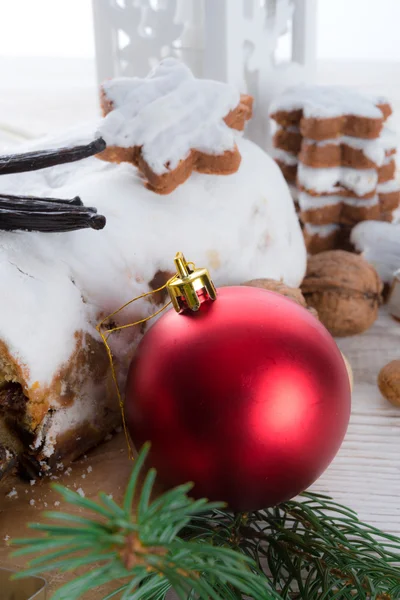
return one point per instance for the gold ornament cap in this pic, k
(190, 286)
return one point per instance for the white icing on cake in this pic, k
(388, 187)
(320, 230)
(168, 113)
(361, 203)
(388, 159)
(379, 243)
(286, 157)
(322, 143)
(64, 419)
(322, 102)
(359, 181)
(308, 202)
(241, 226)
(396, 216)
(388, 139)
(41, 307)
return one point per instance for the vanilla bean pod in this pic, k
(36, 203)
(30, 213)
(46, 207)
(50, 220)
(41, 159)
(73, 201)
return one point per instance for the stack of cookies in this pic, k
(333, 145)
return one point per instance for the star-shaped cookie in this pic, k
(170, 124)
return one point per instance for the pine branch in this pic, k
(141, 551)
(311, 549)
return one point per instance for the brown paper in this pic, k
(29, 588)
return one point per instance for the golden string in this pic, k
(105, 337)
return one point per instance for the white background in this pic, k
(347, 29)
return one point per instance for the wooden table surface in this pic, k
(365, 475)
(106, 469)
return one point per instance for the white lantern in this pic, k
(237, 41)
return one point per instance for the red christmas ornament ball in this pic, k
(249, 398)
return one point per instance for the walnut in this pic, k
(344, 289)
(281, 288)
(389, 382)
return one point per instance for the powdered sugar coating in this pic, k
(388, 186)
(64, 419)
(379, 243)
(308, 202)
(322, 143)
(328, 180)
(388, 139)
(286, 157)
(388, 159)
(37, 299)
(365, 203)
(323, 102)
(320, 230)
(169, 113)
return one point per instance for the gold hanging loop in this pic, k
(105, 334)
(187, 289)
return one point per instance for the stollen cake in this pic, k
(57, 398)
